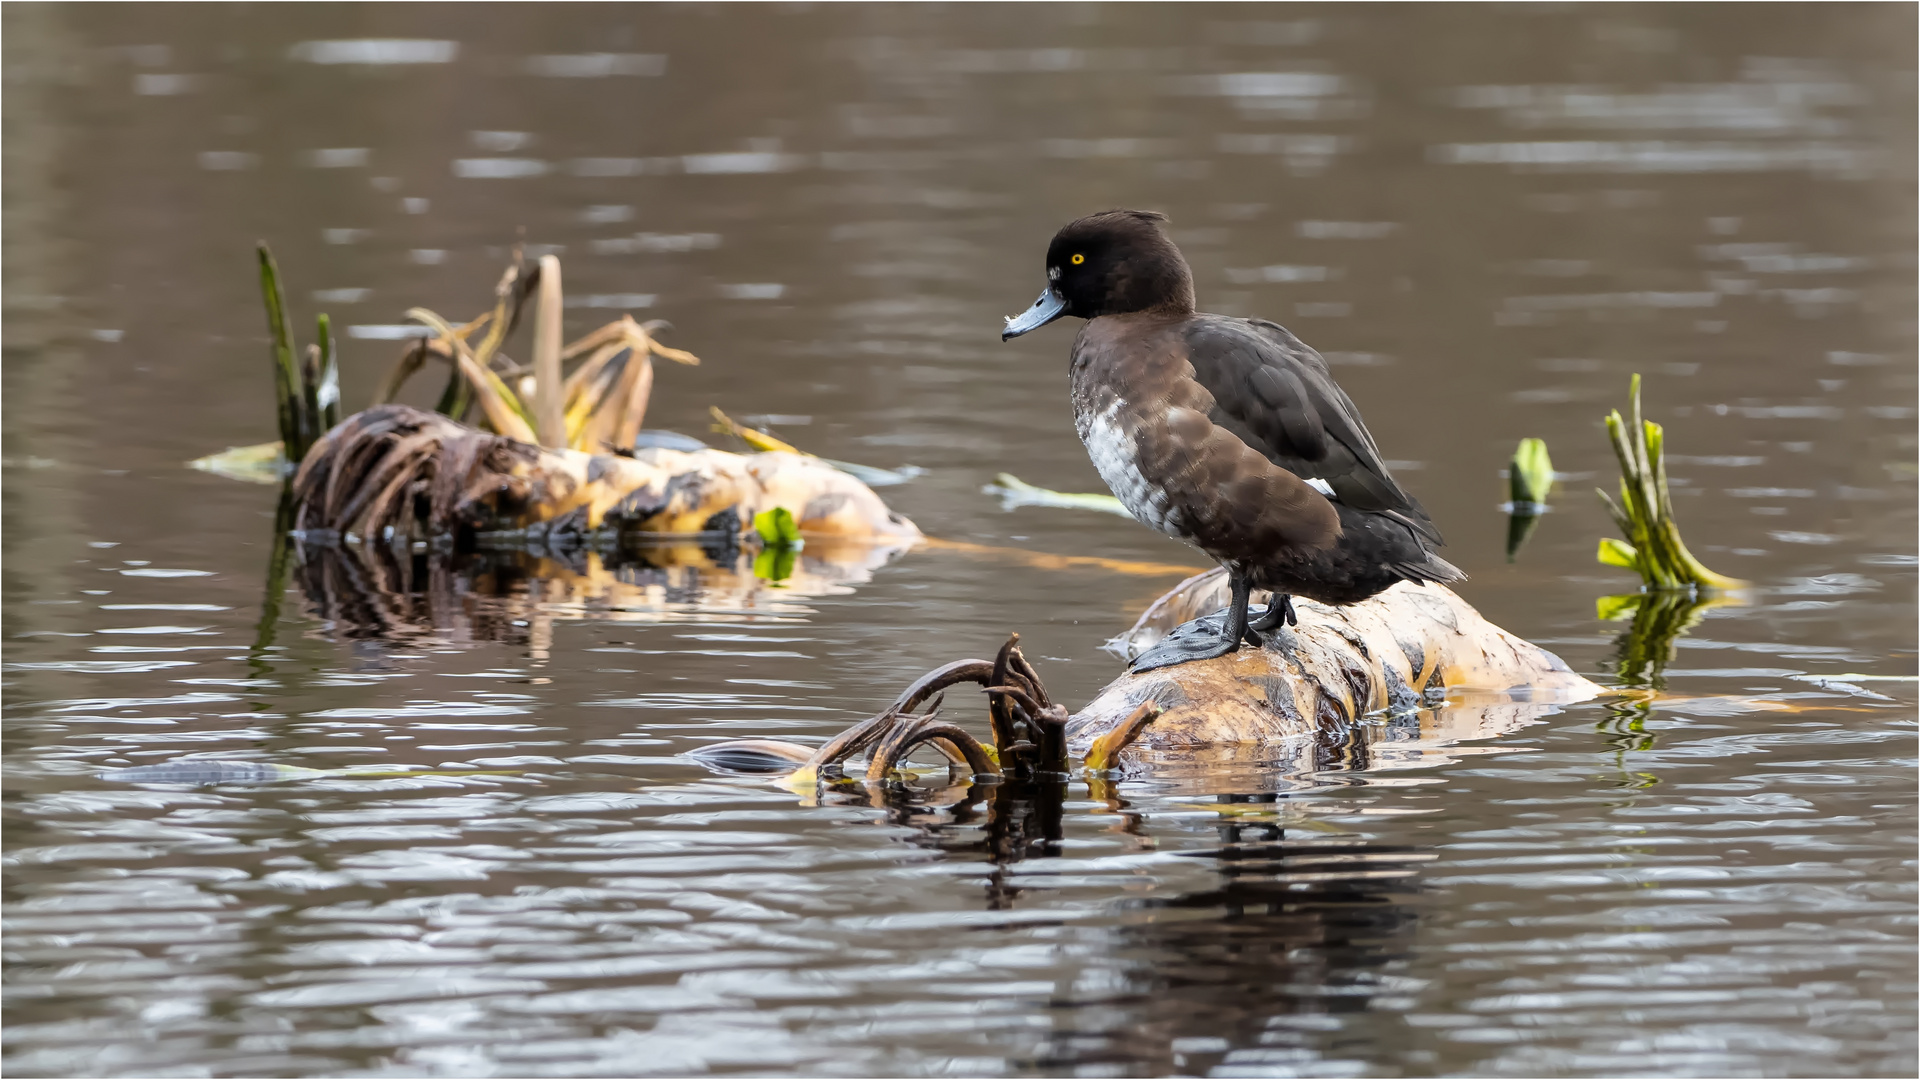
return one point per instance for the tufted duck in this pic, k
(1227, 434)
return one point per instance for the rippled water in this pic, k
(1487, 218)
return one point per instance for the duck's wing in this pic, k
(1274, 392)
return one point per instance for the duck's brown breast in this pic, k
(1145, 422)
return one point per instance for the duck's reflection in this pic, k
(1300, 929)
(376, 592)
(1301, 925)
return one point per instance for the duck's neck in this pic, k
(1156, 289)
(1178, 308)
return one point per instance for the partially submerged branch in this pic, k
(1401, 654)
(1407, 649)
(1028, 732)
(399, 474)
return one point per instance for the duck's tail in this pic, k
(1432, 569)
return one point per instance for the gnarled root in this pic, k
(1029, 731)
(393, 471)
(908, 733)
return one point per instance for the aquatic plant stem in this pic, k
(1644, 512)
(503, 408)
(276, 588)
(286, 373)
(549, 401)
(327, 392)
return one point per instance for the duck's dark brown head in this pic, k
(1110, 263)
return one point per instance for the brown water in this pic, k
(1486, 217)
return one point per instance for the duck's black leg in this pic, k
(1205, 638)
(1236, 629)
(1279, 613)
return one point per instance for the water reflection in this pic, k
(1344, 754)
(1250, 974)
(1002, 824)
(1298, 927)
(1658, 619)
(515, 596)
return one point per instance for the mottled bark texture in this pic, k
(1401, 653)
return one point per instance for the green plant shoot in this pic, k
(286, 373)
(306, 395)
(777, 528)
(780, 540)
(1530, 475)
(1644, 513)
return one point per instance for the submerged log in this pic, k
(398, 473)
(1409, 649)
(1389, 682)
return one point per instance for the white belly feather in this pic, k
(1114, 456)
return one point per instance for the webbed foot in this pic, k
(1201, 639)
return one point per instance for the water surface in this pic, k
(1486, 218)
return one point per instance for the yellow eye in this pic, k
(1078, 259)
